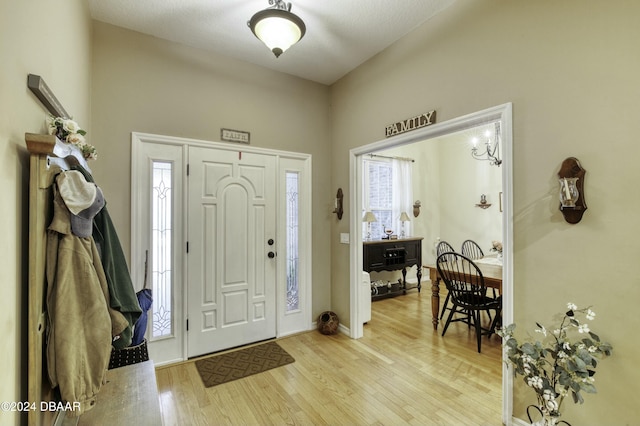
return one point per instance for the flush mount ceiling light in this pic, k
(277, 27)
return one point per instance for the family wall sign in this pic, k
(413, 123)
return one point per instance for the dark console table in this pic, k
(394, 255)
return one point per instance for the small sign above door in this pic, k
(230, 135)
(413, 123)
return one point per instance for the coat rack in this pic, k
(48, 156)
(36, 84)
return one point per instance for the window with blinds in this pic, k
(378, 196)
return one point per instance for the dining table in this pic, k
(491, 268)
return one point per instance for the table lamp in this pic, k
(369, 217)
(404, 217)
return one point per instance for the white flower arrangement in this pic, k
(70, 132)
(562, 362)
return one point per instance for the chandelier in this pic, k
(491, 149)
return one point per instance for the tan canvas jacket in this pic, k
(80, 323)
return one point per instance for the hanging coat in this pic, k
(81, 324)
(121, 291)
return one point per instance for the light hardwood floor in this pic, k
(400, 372)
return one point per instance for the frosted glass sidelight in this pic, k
(292, 227)
(161, 249)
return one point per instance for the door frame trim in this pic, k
(137, 270)
(502, 113)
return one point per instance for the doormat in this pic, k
(223, 368)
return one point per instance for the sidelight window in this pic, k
(161, 249)
(292, 231)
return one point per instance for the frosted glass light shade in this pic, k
(277, 29)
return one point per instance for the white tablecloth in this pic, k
(490, 260)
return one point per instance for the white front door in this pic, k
(231, 233)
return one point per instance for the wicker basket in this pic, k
(129, 355)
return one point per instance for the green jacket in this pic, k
(121, 291)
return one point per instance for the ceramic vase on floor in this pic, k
(328, 322)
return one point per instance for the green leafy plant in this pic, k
(562, 362)
(70, 132)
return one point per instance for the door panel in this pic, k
(231, 280)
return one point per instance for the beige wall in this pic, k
(570, 68)
(51, 40)
(144, 84)
(462, 181)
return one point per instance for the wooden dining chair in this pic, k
(472, 250)
(468, 292)
(444, 247)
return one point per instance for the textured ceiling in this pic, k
(340, 34)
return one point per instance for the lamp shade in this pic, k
(278, 29)
(404, 217)
(369, 217)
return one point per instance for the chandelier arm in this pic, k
(493, 151)
(489, 153)
(496, 158)
(474, 154)
(497, 161)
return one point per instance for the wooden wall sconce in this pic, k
(416, 208)
(337, 206)
(571, 179)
